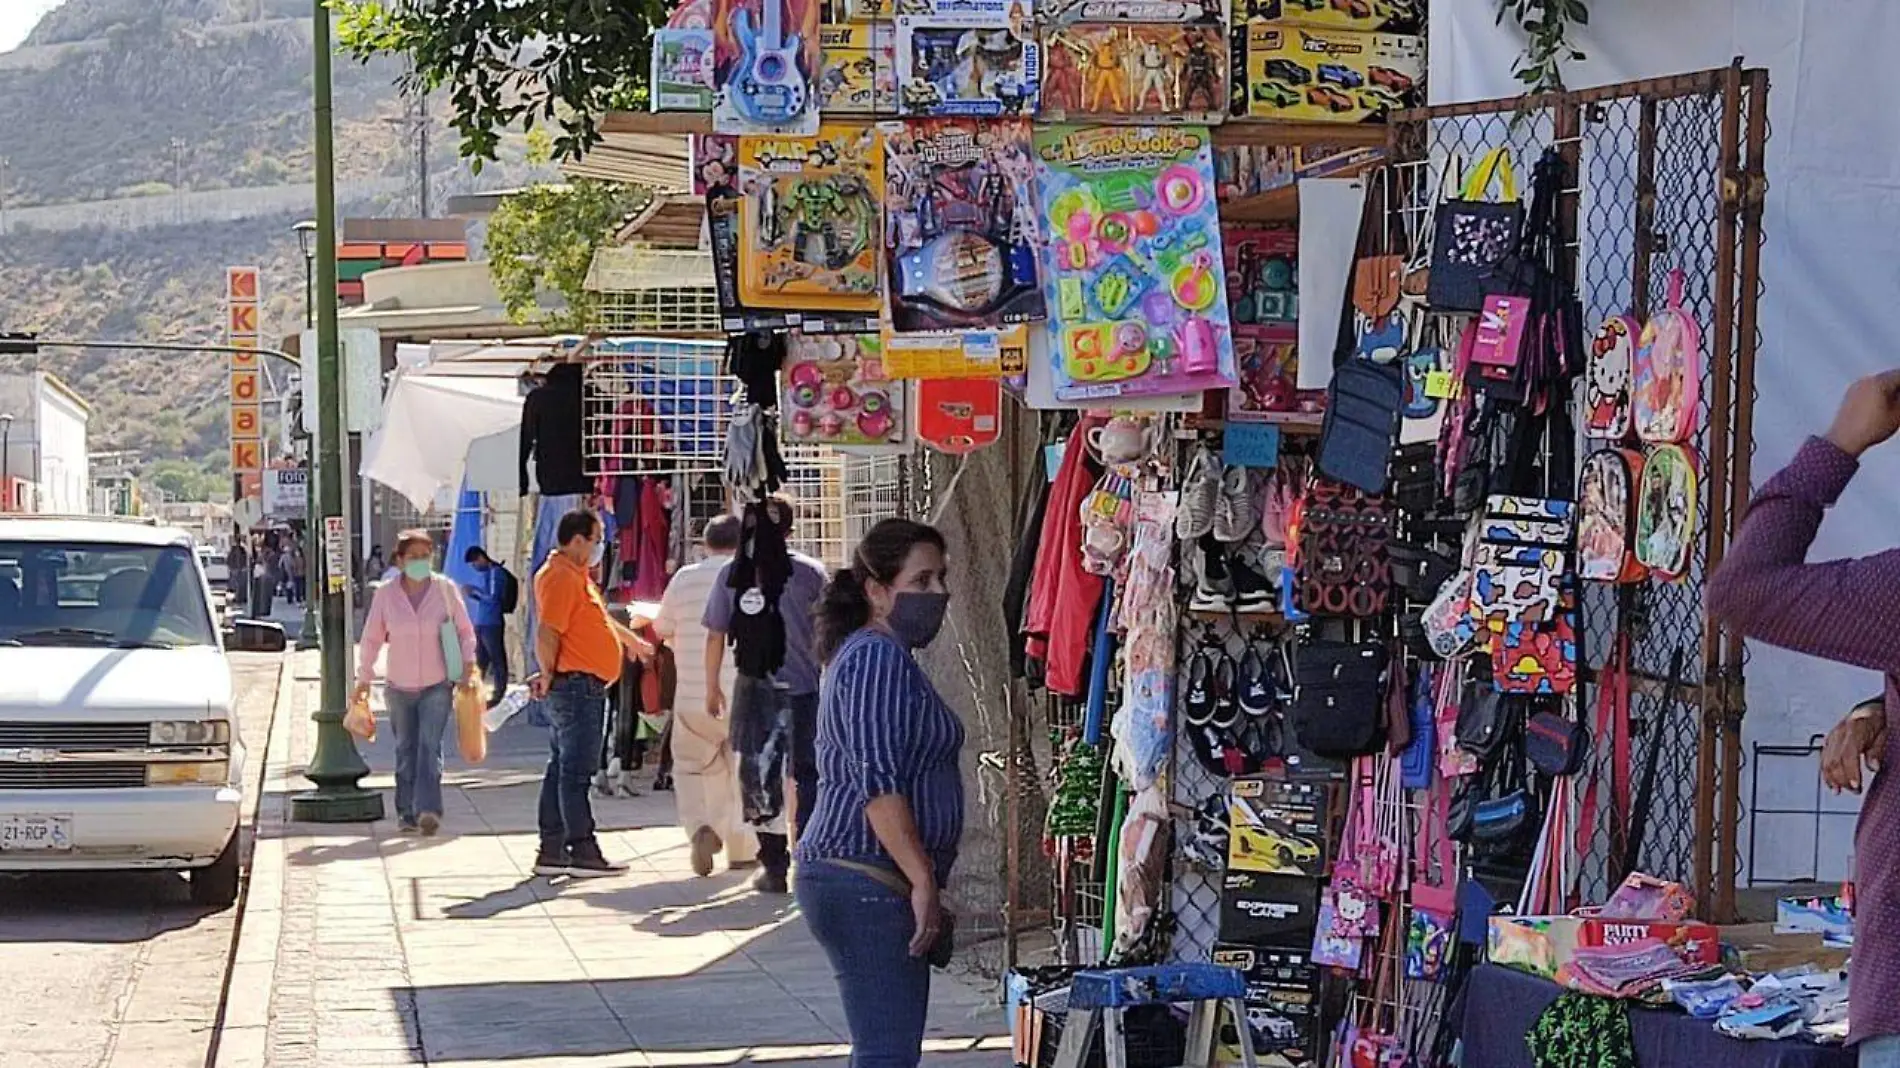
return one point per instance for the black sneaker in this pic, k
(587, 862)
(771, 882)
(551, 860)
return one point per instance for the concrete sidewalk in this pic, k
(360, 947)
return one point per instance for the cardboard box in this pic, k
(1757, 948)
(858, 75)
(1268, 910)
(1364, 16)
(1282, 1006)
(1697, 943)
(1280, 828)
(1291, 72)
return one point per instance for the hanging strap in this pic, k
(1494, 164)
(1646, 786)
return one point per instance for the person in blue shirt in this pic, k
(888, 821)
(490, 598)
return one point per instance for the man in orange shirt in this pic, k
(580, 649)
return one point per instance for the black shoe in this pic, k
(771, 882)
(587, 862)
(550, 860)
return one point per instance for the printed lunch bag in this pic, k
(1666, 509)
(1606, 523)
(1522, 555)
(1606, 398)
(1343, 567)
(1666, 376)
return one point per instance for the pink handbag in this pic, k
(1499, 330)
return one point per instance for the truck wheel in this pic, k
(216, 884)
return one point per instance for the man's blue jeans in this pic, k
(577, 711)
(865, 928)
(1881, 1052)
(419, 717)
(491, 656)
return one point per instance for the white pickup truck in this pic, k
(119, 746)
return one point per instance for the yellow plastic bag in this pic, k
(471, 735)
(359, 720)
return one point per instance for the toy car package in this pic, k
(1257, 909)
(812, 220)
(961, 225)
(859, 73)
(1283, 1006)
(1289, 72)
(1366, 16)
(1281, 828)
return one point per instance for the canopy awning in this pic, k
(431, 422)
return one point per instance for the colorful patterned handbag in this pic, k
(1344, 570)
(1667, 503)
(1538, 658)
(1522, 553)
(1666, 377)
(1606, 397)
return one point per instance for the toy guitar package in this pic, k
(966, 57)
(1158, 73)
(813, 215)
(1667, 501)
(838, 393)
(1667, 377)
(1137, 304)
(961, 225)
(1606, 398)
(766, 55)
(1606, 524)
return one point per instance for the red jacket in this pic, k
(1063, 598)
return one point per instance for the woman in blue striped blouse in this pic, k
(889, 817)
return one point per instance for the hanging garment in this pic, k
(551, 435)
(547, 519)
(762, 739)
(1063, 596)
(648, 552)
(1022, 566)
(758, 577)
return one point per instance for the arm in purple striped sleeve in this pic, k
(1842, 610)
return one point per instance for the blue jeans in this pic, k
(419, 717)
(1881, 1052)
(865, 928)
(577, 711)
(491, 655)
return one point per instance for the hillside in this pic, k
(147, 144)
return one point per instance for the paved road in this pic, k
(121, 971)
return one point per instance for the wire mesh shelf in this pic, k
(653, 291)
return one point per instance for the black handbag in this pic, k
(1339, 698)
(1475, 239)
(1487, 719)
(1419, 570)
(1415, 477)
(1555, 744)
(1363, 409)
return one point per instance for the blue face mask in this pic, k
(416, 570)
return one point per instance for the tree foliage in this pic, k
(1547, 23)
(544, 238)
(513, 63)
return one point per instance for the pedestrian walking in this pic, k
(888, 820)
(421, 621)
(580, 649)
(492, 597)
(263, 579)
(295, 566)
(238, 564)
(704, 771)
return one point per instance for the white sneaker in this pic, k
(1235, 513)
(1200, 492)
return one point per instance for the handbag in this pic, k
(941, 950)
(1339, 698)
(1607, 521)
(1363, 409)
(1486, 720)
(1497, 336)
(1414, 478)
(471, 735)
(1473, 236)
(1606, 396)
(1555, 744)
(1666, 499)
(1343, 567)
(1522, 555)
(1666, 376)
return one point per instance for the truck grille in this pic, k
(74, 737)
(71, 776)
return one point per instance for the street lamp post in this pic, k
(306, 232)
(336, 768)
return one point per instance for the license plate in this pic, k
(23, 833)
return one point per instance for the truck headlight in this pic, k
(191, 732)
(214, 773)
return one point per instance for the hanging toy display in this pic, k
(1137, 304)
(959, 415)
(811, 220)
(838, 393)
(765, 56)
(859, 75)
(970, 57)
(961, 225)
(1158, 73)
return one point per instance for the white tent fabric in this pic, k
(430, 422)
(1829, 269)
(494, 463)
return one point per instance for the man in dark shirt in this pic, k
(798, 679)
(488, 606)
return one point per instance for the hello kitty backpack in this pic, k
(1666, 378)
(1606, 396)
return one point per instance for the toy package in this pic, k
(715, 162)
(682, 69)
(1330, 76)
(1137, 304)
(765, 62)
(724, 211)
(1159, 73)
(1268, 364)
(868, 10)
(1268, 910)
(1000, 353)
(1263, 281)
(1283, 1006)
(859, 72)
(837, 392)
(1160, 12)
(812, 219)
(978, 58)
(1387, 16)
(1278, 827)
(961, 225)
(959, 415)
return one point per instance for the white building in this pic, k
(44, 464)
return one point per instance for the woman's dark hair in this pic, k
(880, 557)
(579, 523)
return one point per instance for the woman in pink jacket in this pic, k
(419, 618)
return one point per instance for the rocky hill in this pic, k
(144, 146)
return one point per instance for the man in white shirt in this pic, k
(705, 770)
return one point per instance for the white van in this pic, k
(119, 746)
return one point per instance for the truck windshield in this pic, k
(98, 594)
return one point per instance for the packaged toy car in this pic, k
(1327, 76)
(1279, 827)
(858, 75)
(1283, 1010)
(1364, 16)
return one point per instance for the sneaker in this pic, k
(1235, 512)
(705, 844)
(663, 784)
(429, 824)
(1213, 586)
(406, 827)
(771, 882)
(1253, 591)
(550, 861)
(1200, 492)
(587, 862)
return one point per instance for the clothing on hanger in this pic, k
(650, 541)
(759, 574)
(551, 435)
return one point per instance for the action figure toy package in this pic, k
(961, 228)
(766, 57)
(1158, 12)
(976, 58)
(1137, 304)
(812, 220)
(1144, 72)
(859, 73)
(837, 392)
(1287, 72)
(682, 69)
(724, 208)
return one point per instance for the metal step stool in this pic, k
(1102, 995)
